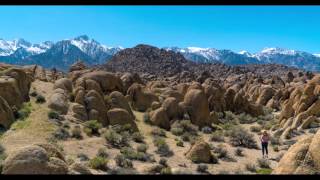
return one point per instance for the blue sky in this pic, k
(224, 27)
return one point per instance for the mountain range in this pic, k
(64, 53)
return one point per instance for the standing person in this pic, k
(264, 143)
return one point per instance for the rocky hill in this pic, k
(151, 111)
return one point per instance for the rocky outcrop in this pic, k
(200, 153)
(6, 115)
(160, 118)
(197, 107)
(140, 98)
(35, 159)
(59, 101)
(302, 157)
(119, 116)
(129, 78)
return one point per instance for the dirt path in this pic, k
(36, 128)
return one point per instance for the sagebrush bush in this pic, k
(83, 157)
(186, 126)
(166, 171)
(99, 163)
(33, 93)
(131, 154)
(102, 152)
(206, 130)
(146, 118)
(255, 129)
(61, 134)
(240, 137)
(24, 112)
(238, 152)
(202, 168)
(142, 148)
(162, 147)
(53, 115)
(115, 139)
(177, 131)
(180, 144)
(92, 127)
(158, 132)
(137, 137)
(251, 167)
(121, 161)
(263, 163)
(217, 136)
(163, 162)
(40, 99)
(76, 132)
(246, 118)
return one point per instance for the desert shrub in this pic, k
(217, 136)
(92, 127)
(53, 115)
(137, 137)
(166, 170)
(142, 148)
(66, 125)
(188, 137)
(163, 162)
(222, 153)
(276, 148)
(146, 118)
(251, 167)
(24, 112)
(313, 130)
(246, 118)
(131, 154)
(158, 132)
(206, 130)
(121, 161)
(264, 171)
(275, 140)
(83, 157)
(61, 134)
(263, 163)
(180, 144)
(115, 139)
(40, 99)
(99, 163)
(187, 126)
(238, 152)
(162, 147)
(177, 131)
(126, 128)
(255, 129)
(202, 168)
(76, 132)
(229, 116)
(240, 137)
(102, 152)
(33, 93)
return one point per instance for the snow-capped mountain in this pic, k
(8, 48)
(94, 49)
(59, 55)
(210, 55)
(298, 59)
(63, 53)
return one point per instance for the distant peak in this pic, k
(82, 37)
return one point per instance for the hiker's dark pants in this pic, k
(264, 148)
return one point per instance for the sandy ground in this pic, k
(36, 128)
